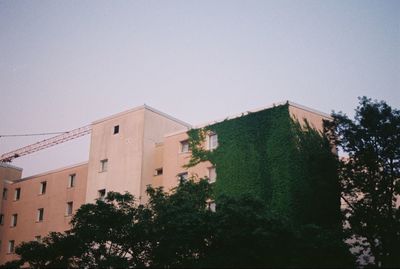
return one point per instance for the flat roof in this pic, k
(325, 115)
(141, 108)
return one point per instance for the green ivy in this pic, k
(267, 155)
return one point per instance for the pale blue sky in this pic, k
(64, 64)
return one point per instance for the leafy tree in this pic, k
(370, 178)
(179, 230)
(182, 224)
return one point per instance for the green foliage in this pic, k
(370, 177)
(182, 224)
(267, 155)
(178, 230)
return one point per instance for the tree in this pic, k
(178, 229)
(370, 178)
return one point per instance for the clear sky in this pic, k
(64, 64)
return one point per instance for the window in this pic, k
(103, 165)
(14, 220)
(116, 129)
(5, 191)
(182, 177)
(102, 194)
(184, 146)
(212, 141)
(211, 206)
(38, 238)
(1, 219)
(212, 174)
(70, 206)
(71, 180)
(158, 171)
(17, 194)
(43, 186)
(40, 215)
(11, 245)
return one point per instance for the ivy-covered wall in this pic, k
(268, 155)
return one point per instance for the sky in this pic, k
(65, 64)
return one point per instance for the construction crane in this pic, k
(46, 143)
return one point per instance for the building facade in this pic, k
(128, 152)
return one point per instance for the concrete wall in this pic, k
(174, 160)
(314, 118)
(8, 173)
(130, 153)
(54, 201)
(156, 127)
(123, 151)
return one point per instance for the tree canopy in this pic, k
(179, 229)
(370, 179)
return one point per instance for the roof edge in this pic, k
(51, 171)
(326, 115)
(242, 114)
(143, 107)
(152, 109)
(7, 165)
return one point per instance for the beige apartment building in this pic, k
(128, 151)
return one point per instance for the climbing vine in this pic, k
(268, 155)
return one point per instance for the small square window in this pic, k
(40, 215)
(211, 206)
(116, 129)
(17, 194)
(71, 180)
(212, 141)
(70, 206)
(103, 165)
(5, 191)
(11, 245)
(182, 177)
(102, 194)
(185, 146)
(14, 220)
(158, 172)
(43, 186)
(212, 174)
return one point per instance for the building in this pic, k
(128, 151)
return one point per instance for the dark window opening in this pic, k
(116, 129)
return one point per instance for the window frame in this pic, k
(210, 141)
(103, 165)
(183, 176)
(43, 187)
(71, 180)
(158, 171)
(116, 129)
(70, 208)
(17, 194)
(5, 193)
(212, 180)
(40, 215)
(183, 144)
(11, 246)
(14, 220)
(101, 194)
